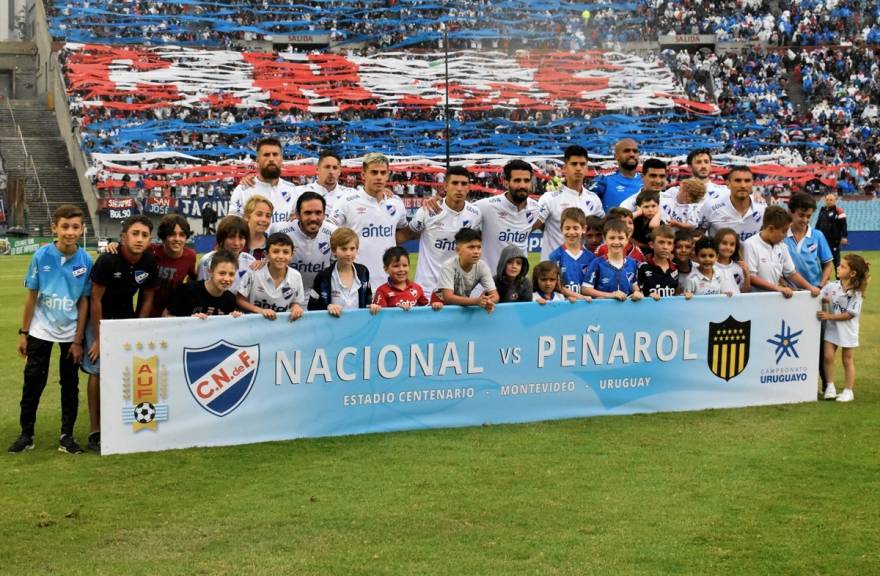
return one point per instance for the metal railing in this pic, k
(29, 162)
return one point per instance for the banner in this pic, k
(176, 383)
(159, 206)
(118, 208)
(192, 207)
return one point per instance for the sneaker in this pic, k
(22, 443)
(830, 392)
(846, 396)
(95, 442)
(69, 445)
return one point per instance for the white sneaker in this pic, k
(846, 396)
(830, 392)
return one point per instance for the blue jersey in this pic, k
(606, 277)
(615, 188)
(809, 256)
(573, 271)
(60, 281)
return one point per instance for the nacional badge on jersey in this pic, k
(728, 347)
(221, 375)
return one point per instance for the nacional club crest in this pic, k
(728, 352)
(221, 375)
(144, 384)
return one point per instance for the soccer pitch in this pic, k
(788, 489)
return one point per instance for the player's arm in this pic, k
(768, 286)
(82, 316)
(404, 234)
(450, 297)
(30, 304)
(96, 310)
(147, 304)
(801, 282)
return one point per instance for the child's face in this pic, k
(175, 241)
(844, 272)
(513, 267)
(547, 283)
(223, 275)
(616, 241)
(707, 257)
(136, 238)
(346, 253)
(727, 246)
(629, 226)
(801, 217)
(469, 253)
(260, 218)
(683, 250)
(398, 271)
(573, 233)
(68, 231)
(649, 209)
(593, 237)
(235, 243)
(663, 247)
(279, 256)
(773, 235)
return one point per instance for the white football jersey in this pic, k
(437, 241)
(283, 198)
(376, 222)
(330, 197)
(260, 290)
(245, 260)
(720, 213)
(310, 255)
(503, 224)
(551, 205)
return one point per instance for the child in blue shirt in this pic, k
(55, 310)
(572, 259)
(615, 277)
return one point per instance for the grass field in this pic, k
(773, 490)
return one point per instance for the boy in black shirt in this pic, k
(658, 276)
(116, 278)
(210, 297)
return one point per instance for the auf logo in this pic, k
(785, 342)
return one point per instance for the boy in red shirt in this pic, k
(399, 292)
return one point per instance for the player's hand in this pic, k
(199, 315)
(489, 307)
(540, 301)
(572, 299)
(822, 315)
(656, 296)
(844, 241)
(296, 312)
(95, 351)
(112, 248)
(268, 314)
(619, 295)
(786, 291)
(248, 180)
(334, 310)
(374, 309)
(76, 353)
(405, 305)
(257, 264)
(636, 296)
(814, 292)
(235, 314)
(729, 294)
(688, 295)
(432, 204)
(436, 306)
(22, 345)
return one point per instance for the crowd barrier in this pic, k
(184, 382)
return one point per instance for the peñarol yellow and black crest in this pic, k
(729, 347)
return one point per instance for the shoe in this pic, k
(846, 396)
(69, 445)
(22, 443)
(830, 392)
(95, 442)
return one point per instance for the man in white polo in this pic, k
(268, 183)
(735, 209)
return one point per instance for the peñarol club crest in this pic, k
(728, 352)
(221, 375)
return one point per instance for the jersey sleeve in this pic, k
(543, 210)
(102, 270)
(32, 278)
(338, 216)
(591, 278)
(419, 220)
(823, 250)
(296, 282)
(854, 304)
(236, 201)
(751, 257)
(401, 216)
(245, 284)
(421, 300)
(446, 278)
(204, 266)
(788, 267)
(690, 284)
(379, 297)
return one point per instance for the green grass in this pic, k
(774, 490)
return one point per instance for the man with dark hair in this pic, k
(116, 279)
(653, 180)
(831, 221)
(699, 162)
(327, 183)
(735, 209)
(572, 194)
(436, 230)
(310, 234)
(616, 187)
(509, 218)
(268, 183)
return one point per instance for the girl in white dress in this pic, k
(843, 300)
